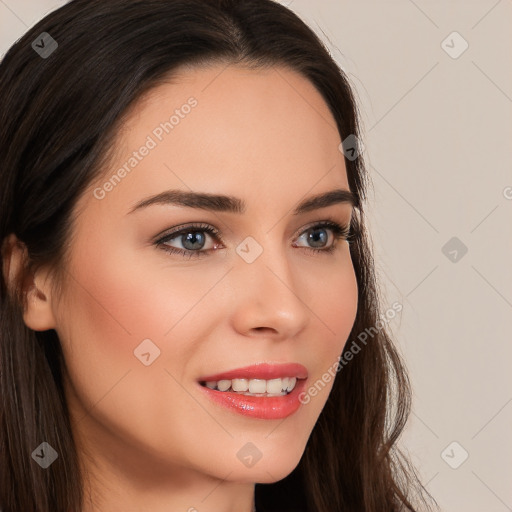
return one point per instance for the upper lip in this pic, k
(264, 371)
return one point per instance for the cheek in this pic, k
(116, 299)
(119, 299)
(112, 303)
(340, 295)
(333, 298)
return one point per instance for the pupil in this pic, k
(192, 238)
(314, 238)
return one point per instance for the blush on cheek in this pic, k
(337, 308)
(98, 345)
(335, 301)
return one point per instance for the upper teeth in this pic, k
(255, 385)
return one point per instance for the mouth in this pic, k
(260, 371)
(254, 387)
(262, 391)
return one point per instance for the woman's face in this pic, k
(140, 326)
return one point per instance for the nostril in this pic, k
(263, 329)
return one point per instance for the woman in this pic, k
(189, 311)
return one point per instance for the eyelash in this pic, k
(339, 231)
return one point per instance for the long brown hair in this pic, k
(59, 115)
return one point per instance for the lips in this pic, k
(258, 407)
(264, 371)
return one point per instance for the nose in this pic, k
(268, 297)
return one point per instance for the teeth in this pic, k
(252, 387)
(273, 386)
(258, 386)
(240, 384)
(224, 385)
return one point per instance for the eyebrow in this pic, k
(231, 204)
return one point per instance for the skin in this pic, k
(148, 438)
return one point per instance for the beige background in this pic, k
(437, 133)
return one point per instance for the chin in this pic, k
(271, 470)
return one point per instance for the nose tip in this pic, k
(267, 304)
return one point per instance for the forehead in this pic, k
(231, 129)
(237, 110)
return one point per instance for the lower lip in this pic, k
(263, 407)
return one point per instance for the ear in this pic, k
(38, 314)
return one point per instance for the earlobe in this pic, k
(38, 313)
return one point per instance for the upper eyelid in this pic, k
(173, 232)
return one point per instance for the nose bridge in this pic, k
(267, 291)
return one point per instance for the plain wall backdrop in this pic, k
(434, 85)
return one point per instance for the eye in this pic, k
(193, 239)
(317, 235)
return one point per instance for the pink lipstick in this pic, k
(265, 391)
